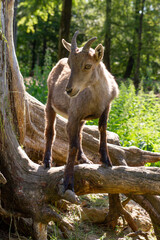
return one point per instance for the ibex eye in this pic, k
(87, 66)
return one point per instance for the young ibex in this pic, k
(79, 88)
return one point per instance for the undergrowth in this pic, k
(86, 229)
(37, 85)
(135, 117)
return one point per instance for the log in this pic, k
(121, 179)
(34, 141)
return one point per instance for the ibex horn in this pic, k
(88, 44)
(73, 42)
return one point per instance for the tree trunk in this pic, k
(135, 52)
(129, 67)
(107, 40)
(44, 52)
(64, 27)
(139, 23)
(34, 55)
(15, 79)
(15, 23)
(30, 189)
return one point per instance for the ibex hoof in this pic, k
(70, 196)
(84, 160)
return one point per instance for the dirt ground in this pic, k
(88, 221)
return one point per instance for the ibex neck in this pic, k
(102, 89)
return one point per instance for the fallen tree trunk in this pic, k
(34, 140)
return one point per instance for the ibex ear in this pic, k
(99, 52)
(66, 45)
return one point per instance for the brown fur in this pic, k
(79, 88)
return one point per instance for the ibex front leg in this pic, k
(103, 150)
(72, 130)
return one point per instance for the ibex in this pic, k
(79, 88)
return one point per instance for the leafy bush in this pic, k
(135, 118)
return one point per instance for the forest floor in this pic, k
(88, 219)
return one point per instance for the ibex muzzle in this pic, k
(79, 88)
(71, 90)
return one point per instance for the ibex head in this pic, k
(83, 63)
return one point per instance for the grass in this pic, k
(135, 117)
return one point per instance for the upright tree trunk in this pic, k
(44, 51)
(15, 82)
(15, 23)
(129, 67)
(34, 55)
(107, 40)
(138, 26)
(64, 27)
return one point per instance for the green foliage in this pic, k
(29, 14)
(135, 118)
(39, 22)
(37, 86)
(38, 28)
(123, 28)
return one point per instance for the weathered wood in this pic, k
(16, 84)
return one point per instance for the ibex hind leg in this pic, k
(103, 149)
(81, 157)
(50, 116)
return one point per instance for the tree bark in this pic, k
(15, 23)
(16, 83)
(30, 189)
(34, 55)
(138, 32)
(107, 41)
(64, 27)
(129, 67)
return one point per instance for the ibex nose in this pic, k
(68, 90)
